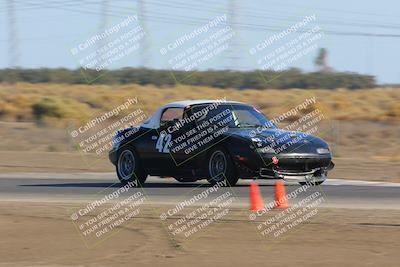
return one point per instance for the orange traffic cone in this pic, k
(256, 201)
(280, 196)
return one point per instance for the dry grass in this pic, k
(80, 102)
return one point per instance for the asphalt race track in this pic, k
(84, 187)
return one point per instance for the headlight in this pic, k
(323, 150)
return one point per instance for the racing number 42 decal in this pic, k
(163, 143)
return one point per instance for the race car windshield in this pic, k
(249, 117)
(243, 116)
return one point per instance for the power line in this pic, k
(265, 15)
(272, 15)
(242, 26)
(171, 4)
(195, 21)
(341, 11)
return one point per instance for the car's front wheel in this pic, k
(128, 167)
(221, 168)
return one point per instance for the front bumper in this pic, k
(299, 168)
(314, 175)
(291, 167)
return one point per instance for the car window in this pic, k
(243, 115)
(207, 112)
(171, 114)
(246, 116)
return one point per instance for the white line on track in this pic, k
(112, 176)
(359, 183)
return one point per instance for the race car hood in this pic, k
(281, 141)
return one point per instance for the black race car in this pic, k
(219, 141)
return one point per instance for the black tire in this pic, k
(128, 166)
(311, 183)
(220, 167)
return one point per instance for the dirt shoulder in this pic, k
(52, 162)
(44, 235)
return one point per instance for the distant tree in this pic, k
(291, 78)
(321, 61)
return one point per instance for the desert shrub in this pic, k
(47, 107)
(394, 111)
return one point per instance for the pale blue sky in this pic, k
(46, 34)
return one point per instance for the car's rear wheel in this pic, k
(128, 167)
(220, 168)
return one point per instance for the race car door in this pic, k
(164, 159)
